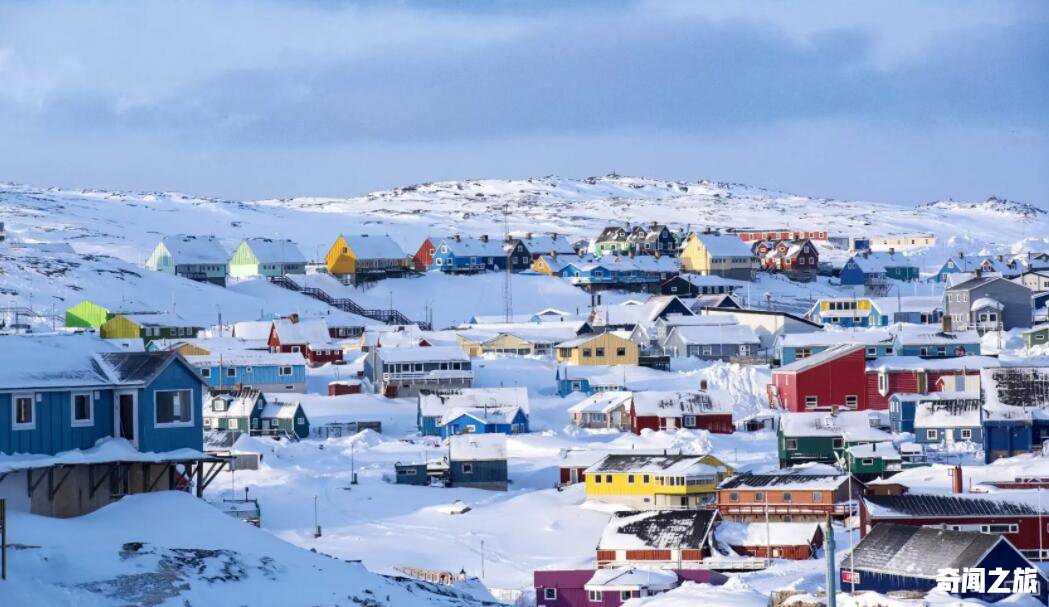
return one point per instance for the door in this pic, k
(125, 417)
(573, 474)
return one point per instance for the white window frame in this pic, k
(90, 421)
(281, 370)
(594, 596)
(231, 371)
(205, 372)
(550, 594)
(178, 424)
(815, 401)
(31, 424)
(467, 468)
(965, 433)
(931, 434)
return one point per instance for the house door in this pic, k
(125, 416)
(617, 419)
(573, 475)
(671, 423)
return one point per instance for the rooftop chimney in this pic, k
(457, 238)
(956, 480)
(293, 317)
(484, 237)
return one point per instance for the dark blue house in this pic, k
(874, 268)
(484, 421)
(589, 379)
(126, 412)
(902, 407)
(460, 254)
(478, 410)
(1015, 435)
(910, 558)
(478, 462)
(1016, 410)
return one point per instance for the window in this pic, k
(837, 443)
(817, 497)
(284, 371)
(231, 372)
(624, 595)
(759, 496)
(733, 497)
(205, 372)
(608, 478)
(586, 352)
(811, 401)
(23, 412)
(872, 351)
(644, 479)
(852, 401)
(867, 461)
(1000, 528)
(173, 407)
(550, 593)
(296, 350)
(690, 421)
(965, 434)
(931, 434)
(83, 410)
(468, 468)
(620, 351)
(597, 478)
(787, 497)
(594, 596)
(923, 351)
(630, 478)
(599, 351)
(791, 444)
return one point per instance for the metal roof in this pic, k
(944, 505)
(911, 551)
(665, 529)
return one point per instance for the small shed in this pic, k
(478, 461)
(796, 541)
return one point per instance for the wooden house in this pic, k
(670, 410)
(655, 481)
(751, 235)
(834, 377)
(93, 314)
(470, 255)
(1017, 519)
(147, 327)
(613, 240)
(478, 461)
(405, 371)
(823, 437)
(435, 407)
(631, 313)
(792, 347)
(608, 410)
(78, 412)
(988, 303)
(200, 258)
(709, 341)
(423, 257)
(306, 336)
(948, 422)
(694, 285)
(798, 258)
(795, 541)
(234, 411)
(914, 375)
(551, 244)
(266, 257)
(230, 364)
(723, 255)
(483, 420)
(284, 418)
(1037, 335)
(1015, 410)
(873, 270)
(869, 461)
(870, 312)
(903, 558)
(589, 379)
(366, 256)
(928, 342)
(610, 348)
(986, 264)
(663, 539)
(612, 587)
(788, 495)
(770, 325)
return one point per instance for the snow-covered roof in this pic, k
(280, 409)
(933, 397)
(602, 402)
(105, 451)
(654, 464)
(968, 504)
(909, 303)
(253, 329)
(418, 354)
(587, 338)
(920, 552)
(1015, 392)
(885, 451)
(657, 529)
(237, 404)
(303, 331)
(819, 358)
(986, 302)
(270, 250)
(634, 312)
(760, 534)
(477, 447)
(911, 363)
(711, 280)
(879, 263)
(632, 579)
(853, 426)
(724, 245)
(547, 244)
(158, 319)
(435, 404)
(236, 353)
(799, 479)
(674, 403)
(373, 246)
(189, 249)
(475, 247)
(490, 415)
(865, 337)
(964, 414)
(932, 336)
(692, 320)
(52, 361)
(715, 334)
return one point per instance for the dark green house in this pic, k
(234, 411)
(824, 436)
(284, 419)
(873, 460)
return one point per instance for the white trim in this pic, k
(178, 424)
(14, 411)
(79, 423)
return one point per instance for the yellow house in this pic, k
(476, 343)
(545, 264)
(718, 254)
(363, 253)
(656, 481)
(611, 348)
(146, 326)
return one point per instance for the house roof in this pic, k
(631, 578)
(956, 414)
(1015, 391)
(657, 464)
(879, 263)
(885, 451)
(433, 404)
(547, 244)
(104, 451)
(189, 249)
(911, 363)
(477, 447)
(634, 312)
(239, 404)
(139, 367)
(657, 529)
(986, 302)
(52, 361)
(253, 329)
(785, 479)
(418, 354)
(819, 358)
(304, 331)
(715, 334)
(587, 338)
(979, 281)
(602, 402)
(865, 337)
(475, 247)
(936, 505)
(853, 426)
(760, 534)
(674, 403)
(921, 552)
(270, 250)
(488, 415)
(280, 409)
(925, 335)
(724, 245)
(373, 246)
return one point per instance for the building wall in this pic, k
(73, 497)
(243, 262)
(54, 431)
(152, 438)
(119, 327)
(340, 259)
(607, 341)
(86, 315)
(831, 383)
(491, 474)
(265, 378)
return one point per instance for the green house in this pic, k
(86, 315)
(239, 411)
(1037, 335)
(824, 436)
(873, 460)
(200, 258)
(266, 257)
(284, 419)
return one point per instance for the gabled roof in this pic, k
(280, 410)
(52, 361)
(434, 404)
(674, 403)
(238, 404)
(422, 354)
(486, 415)
(853, 426)
(373, 246)
(602, 402)
(1015, 390)
(957, 414)
(980, 281)
(477, 447)
(629, 578)
(785, 479)
(303, 331)
(270, 250)
(762, 534)
(715, 334)
(474, 247)
(810, 362)
(879, 263)
(724, 245)
(188, 249)
(138, 368)
(921, 552)
(935, 505)
(658, 530)
(656, 464)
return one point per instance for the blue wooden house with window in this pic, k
(133, 416)
(874, 268)
(483, 421)
(436, 411)
(231, 364)
(467, 255)
(933, 343)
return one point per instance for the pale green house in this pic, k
(200, 258)
(267, 257)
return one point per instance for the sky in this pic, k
(911, 102)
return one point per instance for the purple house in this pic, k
(612, 587)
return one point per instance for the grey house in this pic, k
(987, 303)
(712, 342)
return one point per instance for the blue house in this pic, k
(790, 347)
(948, 421)
(1016, 410)
(894, 558)
(589, 379)
(481, 410)
(229, 364)
(933, 343)
(903, 405)
(77, 393)
(985, 264)
(468, 255)
(483, 421)
(478, 462)
(873, 268)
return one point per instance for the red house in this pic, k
(308, 337)
(423, 257)
(658, 410)
(833, 377)
(914, 375)
(797, 541)
(779, 234)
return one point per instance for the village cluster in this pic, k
(916, 421)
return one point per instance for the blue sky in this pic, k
(907, 103)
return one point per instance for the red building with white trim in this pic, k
(834, 377)
(669, 410)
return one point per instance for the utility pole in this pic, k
(508, 299)
(832, 593)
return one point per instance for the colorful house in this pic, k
(903, 406)
(612, 587)
(873, 269)
(934, 343)
(796, 494)
(552, 244)
(307, 336)
(234, 411)
(405, 371)
(948, 422)
(726, 342)
(694, 285)
(232, 363)
(200, 258)
(873, 460)
(834, 377)
(670, 410)
(610, 348)
(655, 481)
(267, 257)
(483, 421)
(792, 347)
(366, 255)
(898, 558)
(91, 315)
(876, 311)
(609, 410)
(1037, 335)
(423, 258)
(1016, 410)
(280, 418)
(796, 257)
(795, 541)
(478, 462)
(434, 408)
(470, 255)
(823, 437)
(657, 539)
(589, 379)
(722, 255)
(915, 375)
(147, 327)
